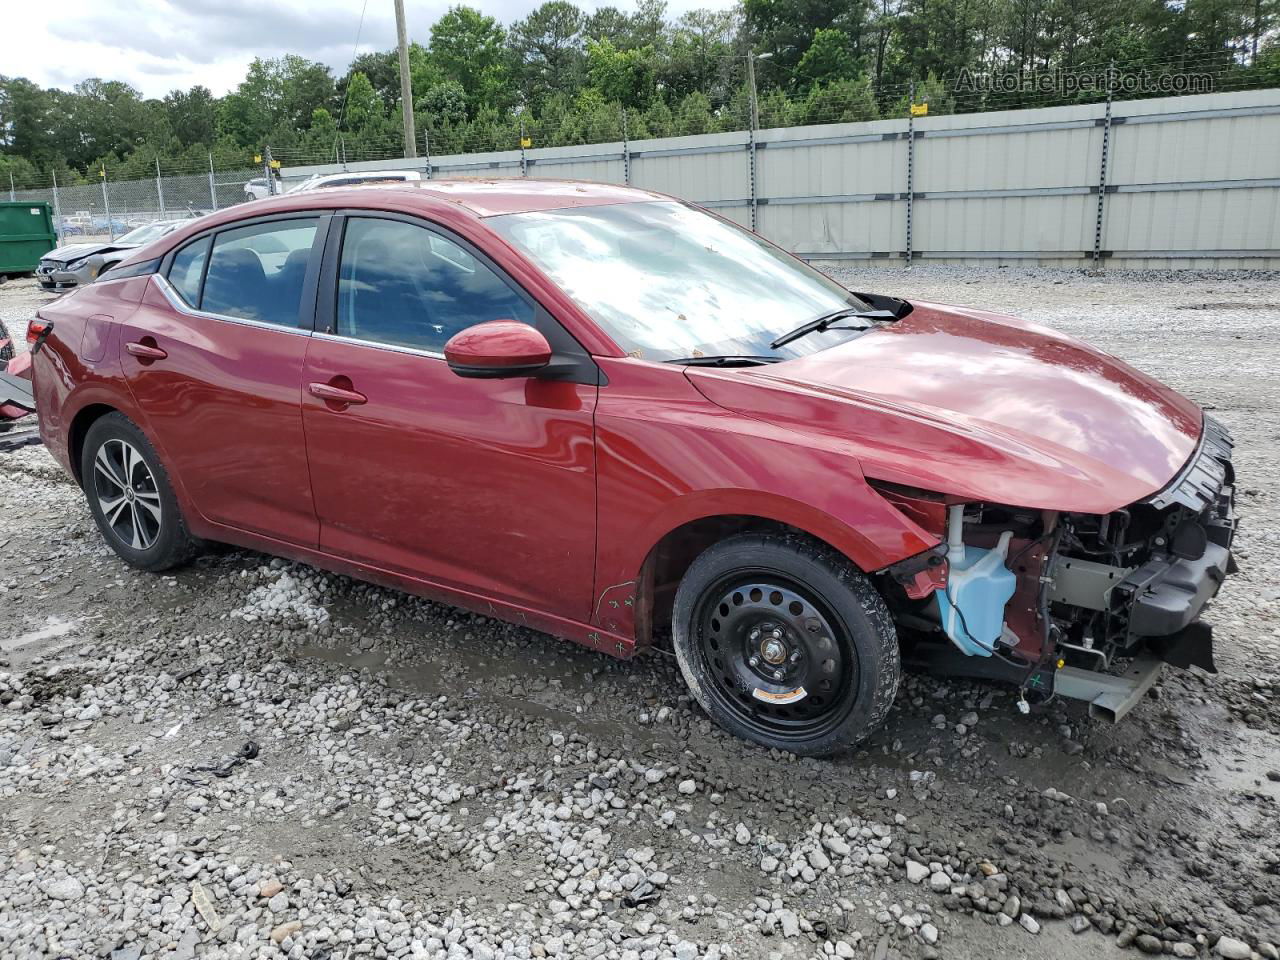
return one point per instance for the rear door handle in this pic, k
(145, 351)
(331, 394)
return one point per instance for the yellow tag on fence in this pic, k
(257, 158)
(526, 142)
(919, 109)
(275, 164)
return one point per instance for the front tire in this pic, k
(784, 643)
(130, 496)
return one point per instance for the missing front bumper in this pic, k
(1110, 697)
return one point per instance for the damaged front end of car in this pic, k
(1084, 606)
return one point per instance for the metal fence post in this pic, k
(1102, 169)
(106, 204)
(524, 162)
(911, 164)
(426, 148)
(12, 195)
(626, 150)
(751, 165)
(160, 189)
(266, 169)
(57, 208)
(213, 187)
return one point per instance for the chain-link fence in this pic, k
(111, 207)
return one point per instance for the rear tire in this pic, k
(784, 643)
(130, 496)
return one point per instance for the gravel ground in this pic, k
(422, 782)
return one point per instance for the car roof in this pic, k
(474, 197)
(501, 195)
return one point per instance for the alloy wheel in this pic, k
(127, 494)
(778, 657)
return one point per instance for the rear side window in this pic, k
(187, 270)
(257, 272)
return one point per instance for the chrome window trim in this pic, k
(180, 305)
(392, 347)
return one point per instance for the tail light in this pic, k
(38, 331)
(38, 328)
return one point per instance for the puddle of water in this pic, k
(54, 627)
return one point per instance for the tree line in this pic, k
(562, 76)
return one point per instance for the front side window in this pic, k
(257, 272)
(187, 270)
(668, 282)
(404, 285)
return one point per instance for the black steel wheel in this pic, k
(783, 642)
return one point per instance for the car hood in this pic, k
(984, 406)
(74, 251)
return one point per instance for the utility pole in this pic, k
(751, 90)
(406, 88)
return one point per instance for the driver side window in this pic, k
(404, 285)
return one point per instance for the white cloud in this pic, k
(157, 45)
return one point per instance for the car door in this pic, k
(214, 359)
(483, 486)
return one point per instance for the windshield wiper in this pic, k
(725, 360)
(823, 322)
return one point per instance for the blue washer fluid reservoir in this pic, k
(978, 587)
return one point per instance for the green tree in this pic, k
(548, 51)
(828, 59)
(622, 76)
(445, 104)
(469, 47)
(192, 115)
(364, 107)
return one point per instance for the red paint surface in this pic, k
(496, 344)
(539, 500)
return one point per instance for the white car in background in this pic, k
(257, 189)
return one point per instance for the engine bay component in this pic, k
(979, 585)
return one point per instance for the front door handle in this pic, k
(145, 351)
(330, 393)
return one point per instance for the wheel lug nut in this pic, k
(777, 634)
(777, 674)
(795, 657)
(754, 661)
(755, 634)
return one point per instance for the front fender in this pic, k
(666, 456)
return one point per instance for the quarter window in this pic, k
(257, 272)
(187, 270)
(407, 286)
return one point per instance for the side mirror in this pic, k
(499, 348)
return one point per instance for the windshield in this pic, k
(152, 231)
(670, 282)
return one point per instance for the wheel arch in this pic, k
(78, 429)
(639, 597)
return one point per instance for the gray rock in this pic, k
(789, 922)
(1232, 949)
(916, 872)
(66, 889)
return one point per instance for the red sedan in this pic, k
(611, 416)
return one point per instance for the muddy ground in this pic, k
(429, 783)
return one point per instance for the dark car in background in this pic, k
(75, 264)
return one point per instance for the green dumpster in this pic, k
(26, 235)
